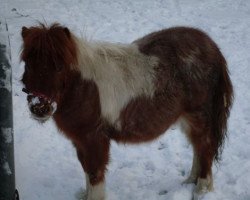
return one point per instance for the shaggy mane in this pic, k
(52, 45)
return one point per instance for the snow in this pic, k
(5, 82)
(7, 169)
(35, 101)
(7, 133)
(46, 163)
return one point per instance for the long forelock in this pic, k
(50, 45)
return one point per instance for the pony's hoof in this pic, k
(204, 185)
(197, 196)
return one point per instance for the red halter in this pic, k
(37, 94)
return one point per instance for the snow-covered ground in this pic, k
(46, 163)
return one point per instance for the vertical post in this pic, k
(7, 170)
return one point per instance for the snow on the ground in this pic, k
(46, 163)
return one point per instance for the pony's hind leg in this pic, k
(194, 171)
(201, 137)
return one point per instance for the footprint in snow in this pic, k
(163, 192)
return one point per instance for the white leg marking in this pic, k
(185, 127)
(95, 192)
(87, 183)
(204, 185)
(194, 171)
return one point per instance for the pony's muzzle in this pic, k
(41, 109)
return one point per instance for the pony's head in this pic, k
(49, 54)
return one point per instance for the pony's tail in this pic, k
(222, 102)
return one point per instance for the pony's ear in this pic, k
(67, 32)
(25, 31)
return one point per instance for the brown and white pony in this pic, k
(130, 93)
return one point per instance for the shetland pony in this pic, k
(130, 93)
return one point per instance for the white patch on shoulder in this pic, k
(120, 71)
(95, 192)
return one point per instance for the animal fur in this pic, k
(131, 93)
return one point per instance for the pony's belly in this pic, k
(145, 119)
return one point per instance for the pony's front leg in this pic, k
(93, 153)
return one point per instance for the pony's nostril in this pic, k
(44, 109)
(36, 110)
